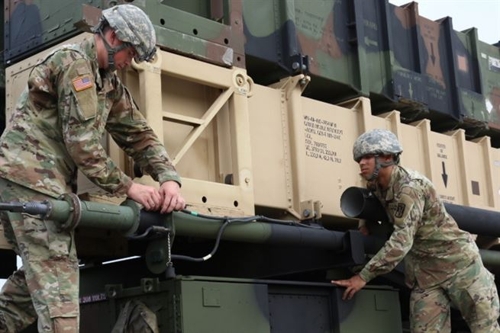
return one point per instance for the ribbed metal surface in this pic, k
(398, 58)
(32, 26)
(402, 60)
(200, 29)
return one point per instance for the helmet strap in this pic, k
(111, 51)
(379, 165)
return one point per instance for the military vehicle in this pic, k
(259, 103)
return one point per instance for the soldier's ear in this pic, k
(112, 38)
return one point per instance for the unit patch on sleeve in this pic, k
(82, 83)
(400, 210)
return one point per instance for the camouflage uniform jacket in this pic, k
(60, 119)
(434, 247)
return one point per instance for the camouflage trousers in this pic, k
(472, 291)
(46, 286)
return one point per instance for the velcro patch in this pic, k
(82, 83)
(83, 69)
(401, 209)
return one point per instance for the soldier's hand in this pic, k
(171, 197)
(147, 196)
(353, 285)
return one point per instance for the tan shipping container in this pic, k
(242, 148)
(199, 109)
(305, 150)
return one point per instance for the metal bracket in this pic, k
(158, 252)
(310, 209)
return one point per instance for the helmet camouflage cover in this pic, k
(376, 142)
(132, 26)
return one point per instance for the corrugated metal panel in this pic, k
(489, 64)
(297, 137)
(355, 48)
(477, 68)
(393, 60)
(213, 32)
(409, 63)
(403, 61)
(36, 25)
(350, 48)
(307, 148)
(289, 37)
(469, 98)
(208, 30)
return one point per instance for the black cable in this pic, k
(216, 247)
(227, 220)
(157, 229)
(249, 219)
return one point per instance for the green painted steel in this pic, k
(377, 306)
(401, 60)
(203, 304)
(398, 58)
(477, 67)
(200, 29)
(287, 37)
(32, 26)
(127, 218)
(258, 232)
(191, 225)
(87, 214)
(489, 64)
(223, 306)
(70, 212)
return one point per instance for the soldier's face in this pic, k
(124, 57)
(367, 166)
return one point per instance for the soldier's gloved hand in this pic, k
(148, 196)
(171, 197)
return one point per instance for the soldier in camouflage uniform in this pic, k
(72, 98)
(442, 263)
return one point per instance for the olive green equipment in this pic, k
(160, 229)
(193, 304)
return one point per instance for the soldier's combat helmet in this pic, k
(133, 27)
(376, 142)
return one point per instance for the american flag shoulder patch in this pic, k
(82, 83)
